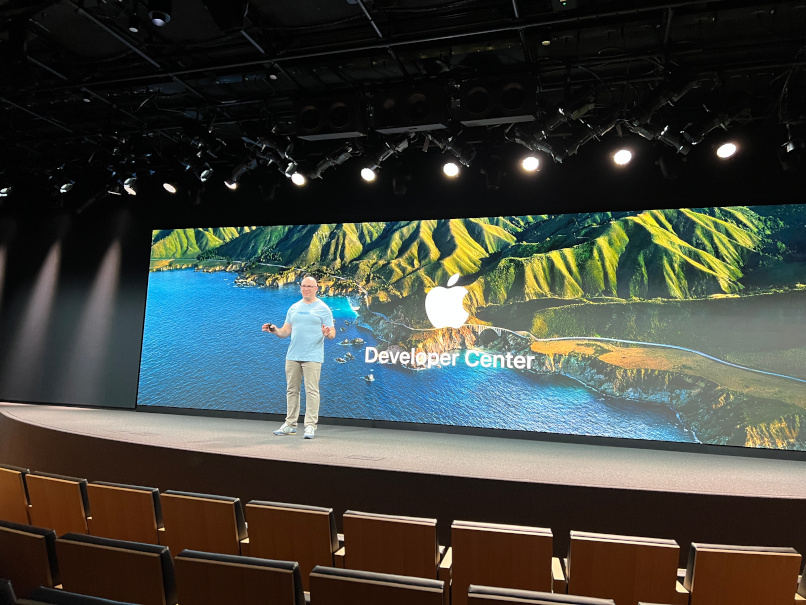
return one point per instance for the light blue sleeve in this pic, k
(327, 316)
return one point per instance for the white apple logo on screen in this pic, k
(444, 305)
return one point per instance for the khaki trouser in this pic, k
(295, 371)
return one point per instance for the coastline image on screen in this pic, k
(683, 325)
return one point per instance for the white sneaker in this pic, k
(286, 429)
(309, 432)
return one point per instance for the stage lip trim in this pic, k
(644, 444)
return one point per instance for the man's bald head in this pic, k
(309, 287)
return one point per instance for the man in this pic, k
(308, 322)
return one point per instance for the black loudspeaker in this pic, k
(331, 118)
(417, 108)
(489, 102)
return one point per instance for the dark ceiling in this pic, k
(309, 85)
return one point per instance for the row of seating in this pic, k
(331, 587)
(626, 569)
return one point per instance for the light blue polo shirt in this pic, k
(307, 340)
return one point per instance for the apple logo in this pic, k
(444, 305)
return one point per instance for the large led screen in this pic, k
(684, 325)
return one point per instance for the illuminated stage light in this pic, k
(298, 179)
(450, 169)
(530, 163)
(66, 186)
(622, 157)
(368, 174)
(205, 174)
(726, 150)
(170, 187)
(240, 170)
(5, 191)
(130, 186)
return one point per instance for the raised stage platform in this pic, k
(669, 494)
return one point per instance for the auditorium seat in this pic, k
(333, 586)
(626, 569)
(13, 494)
(292, 532)
(28, 557)
(116, 569)
(52, 596)
(392, 544)
(802, 584)
(492, 554)
(58, 502)
(124, 512)
(489, 595)
(203, 522)
(211, 579)
(719, 574)
(7, 596)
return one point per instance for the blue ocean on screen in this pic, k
(203, 348)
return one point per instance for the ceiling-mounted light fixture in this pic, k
(530, 163)
(199, 167)
(130, 185)
(298, 179)
(726, 150)
(66, 186)
(450, 169)
(159, 11)
(5, 191)
(622, 157)
(170, 187)
(240, 170)
(273, 71)
(393, 147)
(463, 152)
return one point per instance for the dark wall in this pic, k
(72, 305)
(73, 275)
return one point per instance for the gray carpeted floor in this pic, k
(437, 453)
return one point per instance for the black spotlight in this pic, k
(159, 11)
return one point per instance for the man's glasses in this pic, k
(307, 286)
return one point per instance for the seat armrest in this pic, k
(444, 569)
(559, 583)
(338, 558)
(244, 544)
(681, 594)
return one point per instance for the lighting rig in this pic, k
(556, 132)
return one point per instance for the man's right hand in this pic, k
(269, 327)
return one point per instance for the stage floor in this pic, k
(430, 453)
